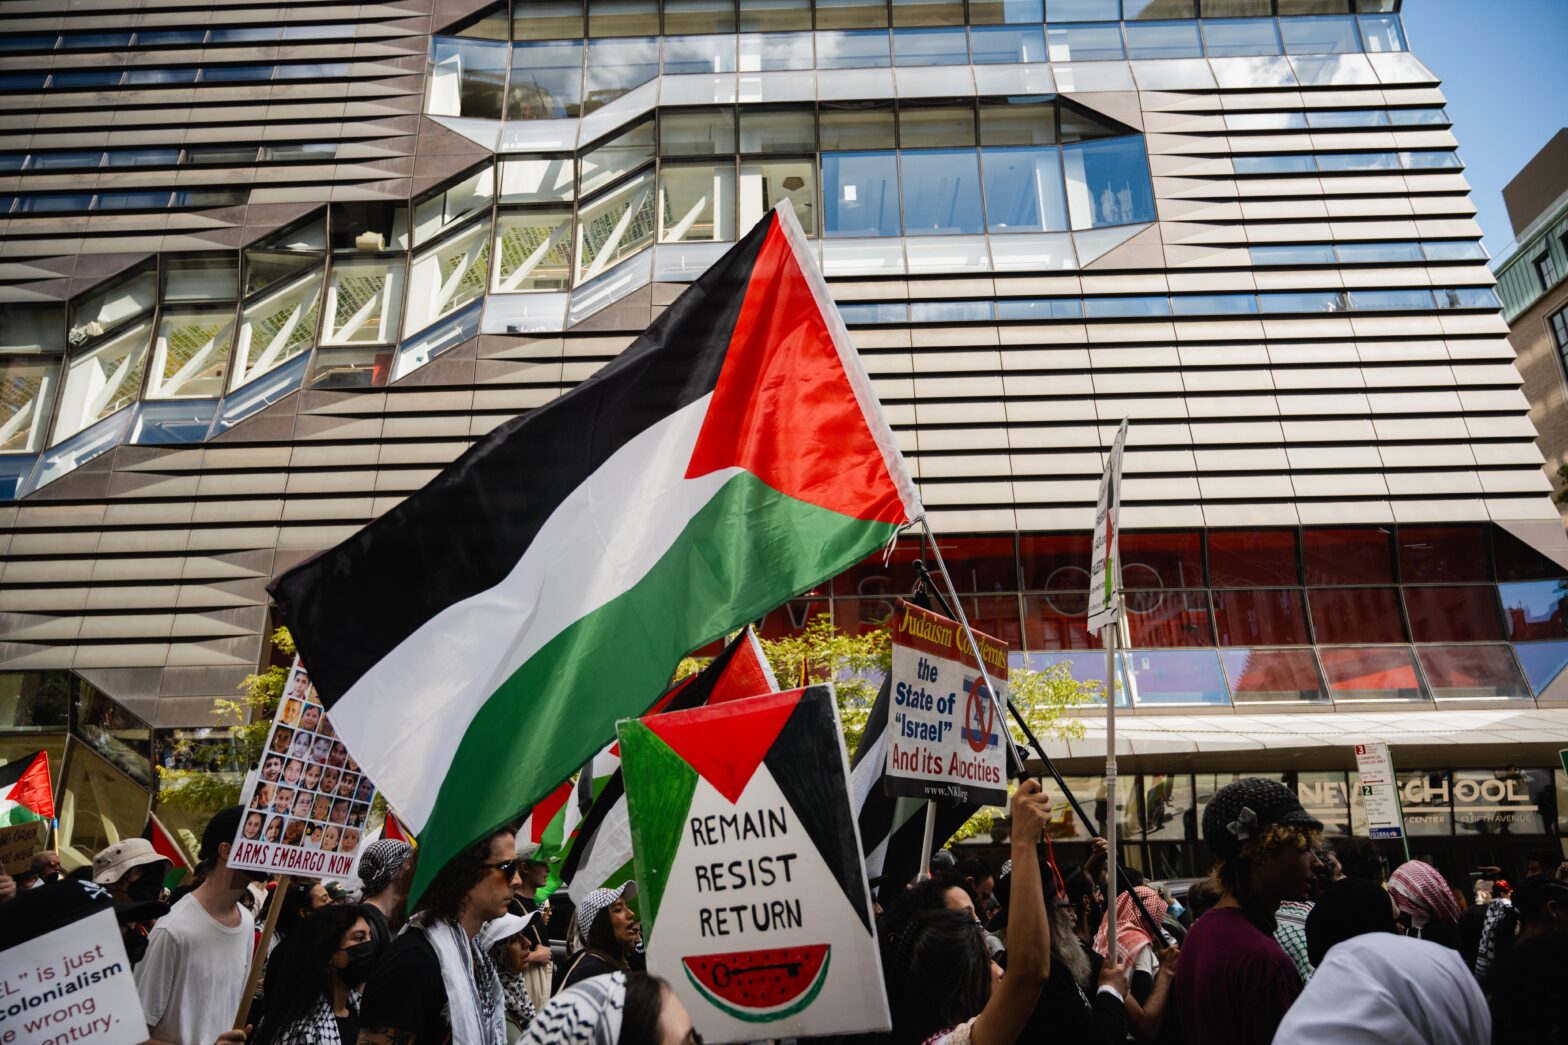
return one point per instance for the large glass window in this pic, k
(856, 49)
(277, 327)
(1163, 40)
(773, 16)
(1348, 556)
(1382, 32)
(700, 132)
(1002, 44)
(27, 389)
(618, 156)
(533, 250)
(1169, 618)
(780, 130)
(364, 301)
(191, 355)
(468, 74)
(1188, 676)
(1345, 615)
(1542, 662)
(1472, 672)
(1084, 43)
(1082, 10)
(448, 276)
(856, 126)
(1323, 35)
(851, 14)
(1023, 190)
(547, 80)
(546, 19)
(763, 184)
(998, 12)
(1241, 38)
(103, 379)
(698, 16)
(941, 192)
(1535, 609)
(623, 17)
(98, 806)
(698, 54)
(948, 46)
(546, 179)
(1273, 675)
(438, 211)
(1161, 559)
(1270, 617)
(777, 52)
(1371, 673)
(615, 226)
(102, 309)
(696, 202)
(1453, 614)
(616, 66)
(1244, 558)
(1502, 801)
(1108, 183)
(860, 194)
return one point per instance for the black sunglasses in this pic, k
(506, 867)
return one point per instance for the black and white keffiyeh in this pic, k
(317, 1027)
(473, 990)
(588, 1013)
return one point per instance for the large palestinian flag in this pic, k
(26, 793)
(477, 643)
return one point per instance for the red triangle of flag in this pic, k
(164, 843)
(726, 744)
(32, 789)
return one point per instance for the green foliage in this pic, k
(210, 784)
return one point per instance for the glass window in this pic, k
(851, 14)
(762, 185)
(1371, 673)
(1390, 300)
(858, 49)
(1305, 301)
(172, 423)
(1161, 559)
(698, 54)
(1169, 618)
(1294, 254)
(1146, 9)
(1023, 190)
(844, 127)
(544, 179)
(1435, 554)
(1126, 307)
(364, 301)
(1340, 162)
(1542, 662)
(1348, 556)
(1214, 304)
(103, 380)
(1517, 561)
(1423, 800)
(696, 202)
(616, 66)
(1188, 676)
(615, 226)
(1345, 615)
(191, 354)
(873, 313)
(169, 37)
(623, 18)
(1163, 40)
(1010, 12)
(616, 157)
(920, 128)
(1241, 38)
(1382, 33)
(1325, 35)
(1265, 121)
(1453, 614)
(1039, 308)
(859, 193)
(312, 71)
(1324, 796)
(1082, 10)
(1209, 784)
(1022, 122)
(54, 204)
(941, 192)
(277, 327)
(1272, 617)
(1165, 806)
(440, 210)
(948, 46)
(30, 702)
(1331, 119)
(1472, 672)
(1055, 561)
(466, 77)
(244, 73)
(55, 161)
(1418, 117)
(1506, 802)
(547, 19)
(85, 78)
(1108, 183)
(448, 276)
(27, 389)
(351, 367)
(1535, 609)
(1245, 558)
(192, 279)
(782, 130)
(951, 311)
(98, 805)
(777, 52)
(533, 251)
(1274, 164)
(1467, 297)
(547, 80)
(1084, 43)
(1272, 675)
(146, 76)
(928, 12)
(699, 16)
(1059, 621)
(757, 16)
(32, 328)
(1354, 253)
(114, 303)
(1001, 44)
(296, 151)
(980, 564)
(704, 132)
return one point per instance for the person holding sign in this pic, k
(943, 988)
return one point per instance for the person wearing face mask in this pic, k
(132, 871)
(314, 979)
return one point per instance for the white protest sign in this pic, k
(71, 984)
(1379, 792)
(306, 804)
(1105, 573)
(945, 731)
(753, 894)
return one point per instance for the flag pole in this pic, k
(1108, 637)
(258, 958)
(927, 842)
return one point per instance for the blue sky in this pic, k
(1501, 63)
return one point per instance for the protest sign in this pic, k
(946, 735)
(306, 804)
(71, 984)
(754, 899)
(19, 843)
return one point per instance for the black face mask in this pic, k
(361, 959)
(147, 887)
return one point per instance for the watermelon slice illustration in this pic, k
(761, 986)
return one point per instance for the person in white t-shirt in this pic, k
(198, 955)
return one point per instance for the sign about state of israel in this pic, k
(945, 730)
(753, 895)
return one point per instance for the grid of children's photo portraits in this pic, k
(311, 793)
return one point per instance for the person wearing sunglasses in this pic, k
(436, 983)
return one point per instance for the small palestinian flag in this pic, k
(25, 791)
(601, 853)
(166, 845)
(476, 644)
(394, 829)
(753, 897)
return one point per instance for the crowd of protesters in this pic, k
(1288, 941)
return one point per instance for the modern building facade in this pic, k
(267, 268)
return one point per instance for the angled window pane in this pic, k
(1542, 662)
(27, 388)
(777, 52)
(615, 226)
(196, 279)
(1039, 308)
(1108, 182)
(696, 202)
(1357, 161)
(103, 380)
(115, 303)
(1467, 297)
(547, 80)
(849, 126)
(237, 73)
(143, 76)
(1390, 300)
(623, 17)
(32, 329)
(1085, 43)
(311, 71)
(948, 46)
(172, 423)
(1023, 190)
(618, 156)
(928, 12)
(55, 161)
(698, 16)
(1354, 253)
(1189, 676)
(170, 37)
(1334, 118)
(1083, 10)
(1126, 307)
(1243, 38)
(922, 128)
(1346, 615)
(942, 192)
(860, 194)
(762, 185)
(76, 78)
(277, 327)
(1018, 123)
(951, 311)
(758, 16)
(703, 132)
(784, 130)
(1270, 617)
(1247, 558)
(547, 19)
(616, 66)
(1322, 35)
(1273, 675)
(1293, 254)
(1535, 609)
(1163, 40)
(296, 151)
(1472, 673)
(245, 35)
(872, 313)
(1275, 164)
(364, 302)
(1169, 618)
(220, 155)
(856, 49)
(445, 208)
(698, 54)
(1437, 554)
(1214, 304)
(1011, 12)
(1304, 301)
(1003, 44)
(1382, 32)
(1418, 117)
(448, 276)
(1162, 559)
(1465, 613)
(1265, 121)
(851, 14)
(1348, 555)
(545, 179)
(533, 251)
(191, 354)
(1371, 673)
(1430, 159)
(99, 41)
(55, 204)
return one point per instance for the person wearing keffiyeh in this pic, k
(618, 1008)
(1423, 897)
(508, 946)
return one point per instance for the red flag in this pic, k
(164, 843)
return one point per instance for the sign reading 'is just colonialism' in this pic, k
(945, 731)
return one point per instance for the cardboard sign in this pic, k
(945, 731)
(1379, 790)
(71, 984)
(307, 803)
(752, 891)
(19, 843)
(1105, 572)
